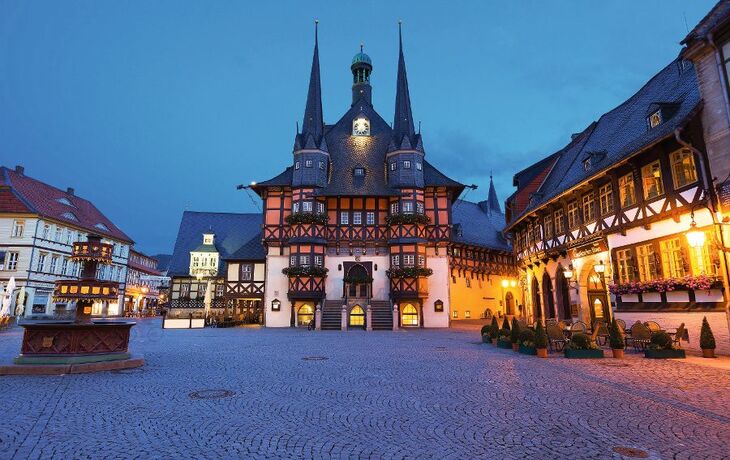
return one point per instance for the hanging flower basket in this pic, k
(292, 272)
(689, 282)
(409, 272)
(306, 218)
(396, 219)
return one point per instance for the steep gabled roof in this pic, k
(622, 132)
(19, 190)
(475, 226)
(252, 250)
(717, 16)
(232, 231)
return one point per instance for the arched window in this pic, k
(357, 316)
(305, 315)
(409, 316)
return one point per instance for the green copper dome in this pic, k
(362, 58)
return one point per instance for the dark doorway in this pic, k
(563, 294)
(536, 306)
(249, 311)
(509, 303)
(598, 299)
(547, 290)
(357, 282)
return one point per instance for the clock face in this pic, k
(361, 127)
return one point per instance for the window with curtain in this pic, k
(573, 215)
(625, 265)
(559, 218)
(589, 207)
(626, 190)
(605, 199)
(651, 175)
(646, 262)
(702, 263)
(683, 167)
(672, 258)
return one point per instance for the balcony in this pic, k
(86, 289)
(92, 251)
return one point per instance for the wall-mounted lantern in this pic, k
(275, 305)
(438, 306)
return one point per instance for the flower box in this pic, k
(504, 344)
(528, 350)
(628, 298)
(583, 354)
(713, 295)
(653, 297)
(664, 354)
(677, 296)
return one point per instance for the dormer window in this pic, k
(419, 166)
(70, 216)
(101, 226)
(361, 127)
(296, 165)
(208, 238)
(407, 164)
(393, 166)
(655, 119)
(359, 172)
(308, 163)
(587, 164)
(64, 200)
(321, 165)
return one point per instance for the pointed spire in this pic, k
(492, 200)
(403, 118)
(313, 118)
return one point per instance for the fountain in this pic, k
(82, 344)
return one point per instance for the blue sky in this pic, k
(150, 108)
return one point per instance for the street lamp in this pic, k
(600, 267)
(695, 238)
(505, 283)
(568, 272)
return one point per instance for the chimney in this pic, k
(70, 191)
(20, 170)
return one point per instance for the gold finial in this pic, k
(316, 21)
(361, 45)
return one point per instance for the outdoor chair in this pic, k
(579, 326)
(556, 339)
(563, 325)
(640, 336)
(594, 334)
(653, 326)
(522, 323)
(621, 323)
(679, 335)
(600, 330)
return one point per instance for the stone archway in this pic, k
(547, 293)
(562, 293)
(536, 304)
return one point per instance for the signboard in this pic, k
(587, 249)
(723, 193)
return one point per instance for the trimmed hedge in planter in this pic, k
(504, 344)
(664, 354)
(528, 350)
(583, 354)
(486, 338)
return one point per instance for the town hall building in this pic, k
(358, 231)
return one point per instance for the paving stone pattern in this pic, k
(411, 394)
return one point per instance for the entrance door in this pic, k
(305, 314)
(599, 307)
(409, 316)
(536, 307)
(249, 311)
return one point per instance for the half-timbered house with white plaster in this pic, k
(38, 225)
(615, 222)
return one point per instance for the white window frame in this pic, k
(11, 261)
(394, 261)
(304, 260)
(18, 228)
(407, 207)
(307, 206)
(393, 166)
(409, 260)
(356, 218)
(370, 218)
(406, 164)
(308, 163)
(344, 218)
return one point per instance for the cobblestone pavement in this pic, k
(416, 394)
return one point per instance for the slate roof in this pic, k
(48, 201)
(719, 14)
(232, 231)
(474, 225)
(623, 132)
(252, 250)
(163, 261)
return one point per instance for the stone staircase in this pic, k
(382, 315)
(332, 315)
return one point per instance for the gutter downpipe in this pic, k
(721, 73)
(710, 206)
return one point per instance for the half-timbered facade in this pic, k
(613, 217)
(361, 227)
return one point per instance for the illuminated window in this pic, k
(307, 206)
(394, 261)
(655, 119)
(409, 260)
(573, 220)
(296, 165)
(589, 207)
(304, 261)
(359, 172)
(407, 164)
(419, 166)
(548, 225)
(321, 165)
(409, 317)
(357, 316)
(646, 262)
(318, 261)
(344, 218)
(305, 315)
(357, 218)
(421, 260)
(308, 163)
(419, 207)
(683, 168)
(467, 314)
(605, 199)
(320, 207)
(625, 265)
(295, 207)
(672, 258)
(393, 166)
(454, 314)
(626, 190)
(702, 263)
(394, 208)
(246, 272)
(651, 175)
(408, 207)
(370, 218)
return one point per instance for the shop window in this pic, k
(305, 313)
(646, 262)
(625, 265)
(672, 258)
(409, 317)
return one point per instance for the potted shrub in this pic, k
(504, 336)
(494, 331)
(662, 347)
(616, 340)
(541, 341)
(707, 340)
(514, 335)
(485, 334)
(582, 347)
(527, 342)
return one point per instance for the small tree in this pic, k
(505, 323)
(707, 339)
(485, 329)
(494, 329)
(615, 337)
(515, 332)
(541, 338)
